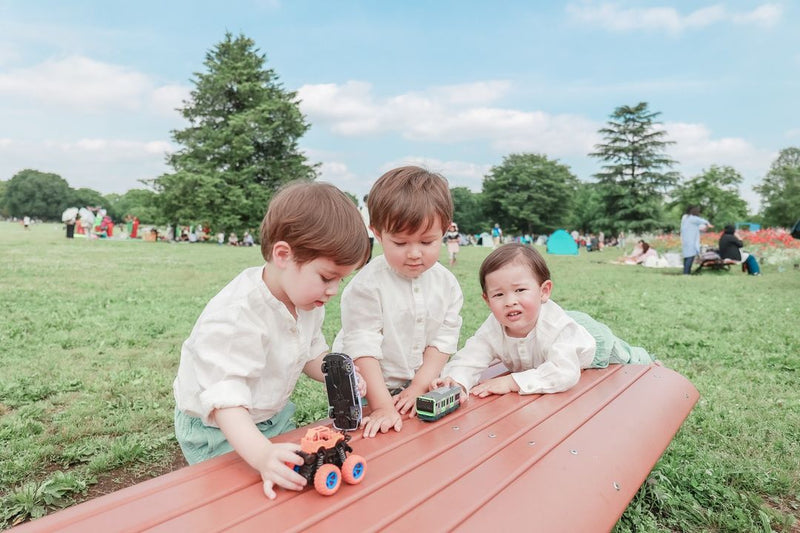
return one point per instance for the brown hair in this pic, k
(514, 253)
(317, 220)
(406, 198)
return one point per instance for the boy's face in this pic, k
(411, 254)
(312, 284)
(515, 297)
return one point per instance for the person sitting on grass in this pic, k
(543, 346)
(251, 342)
(641, 252)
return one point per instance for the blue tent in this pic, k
(561, 243)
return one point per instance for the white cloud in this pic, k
(458, 173)
(447, 115)
(614, 17)
(86, 85)
(106, 165)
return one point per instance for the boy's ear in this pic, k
(377, 235)
(546, 288)
(485, 298)
(281, 254)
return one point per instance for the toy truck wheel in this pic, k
(328, 479)
(353, 469)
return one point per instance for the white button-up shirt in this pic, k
(246, 349)
(393, 318)
(548, 359)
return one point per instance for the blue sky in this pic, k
(88, 90)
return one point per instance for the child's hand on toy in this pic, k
(275, 469)
(360, 383)
(498, 385)
(406, 400)
(450, 382)
(382, 419)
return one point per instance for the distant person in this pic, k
(401, 313)
(253, 339)
(247, 240)
(453, 240)
(233, 239)
(497, 236)
(730, 247)
(26, 222)
(364, 210)
(543, 346)
(641, 252)
(691, 226)
(71, 228)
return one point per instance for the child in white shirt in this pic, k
(400, 313)
(254, 338)
(543, 346)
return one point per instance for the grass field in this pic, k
(90, 341)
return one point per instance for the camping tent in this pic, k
(561, 243)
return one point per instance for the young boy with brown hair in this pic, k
(251, 342)
(400, 313)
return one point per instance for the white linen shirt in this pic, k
(393, 318)
(548, 359)
(246, 349)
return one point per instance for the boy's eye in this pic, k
(497, 295)
(327, 280)
(398, 243)
(427, 243)
(521, 289)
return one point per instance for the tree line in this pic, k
(241, 144)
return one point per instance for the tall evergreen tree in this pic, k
(529, 193)
(635, 173)
(240, 145)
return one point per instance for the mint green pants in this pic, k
(610, 348)
(200, 442)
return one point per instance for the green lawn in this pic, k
(90, 341)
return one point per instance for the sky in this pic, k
(89, 89)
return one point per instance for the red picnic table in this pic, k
(570, 462)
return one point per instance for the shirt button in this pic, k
(293, 330)
(416, 289)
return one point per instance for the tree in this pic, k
(3, 208)
(37, 195)
(240, 145)
(716, 191)
(632, 183)
(141, 203)
(587, 212)
(468, 211)
(529, 193)
(86, 197)
(780, 189)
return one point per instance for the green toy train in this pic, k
(438, 402)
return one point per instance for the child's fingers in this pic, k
(268, 491)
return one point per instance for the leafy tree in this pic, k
(587, 213)
(780, 189)
(468, 211)
(3, 208)
(716, 191)
(632, 182)
(240, 145)
(37, 194)
(141, 203)
(86, 197)
(528, 193)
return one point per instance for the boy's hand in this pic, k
(406, 400)
(450, 382)
(498, 385)
(382, 419)
(275, 471)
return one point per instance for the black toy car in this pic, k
(344, 403)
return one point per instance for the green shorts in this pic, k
(610, 348)
(200, 442)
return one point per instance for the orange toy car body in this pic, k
(326, 462)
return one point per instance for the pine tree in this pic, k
(240, 145)
(632, 184)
